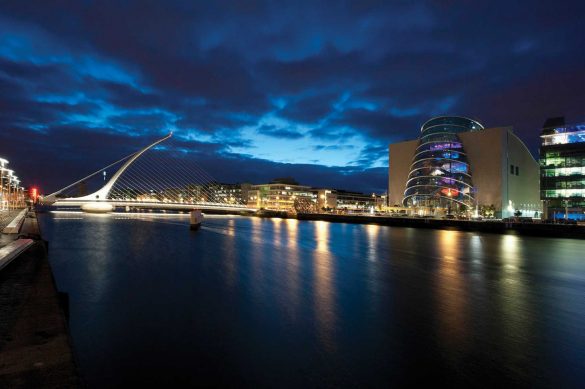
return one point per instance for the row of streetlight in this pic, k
(11, 193)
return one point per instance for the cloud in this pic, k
(260, 84)
(271, 130)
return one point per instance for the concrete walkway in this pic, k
(35, 350)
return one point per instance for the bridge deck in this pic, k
(156, 205)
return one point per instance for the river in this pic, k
(284, 303)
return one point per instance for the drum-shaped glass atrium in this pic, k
(440, 175)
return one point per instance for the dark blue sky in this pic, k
(260, 90)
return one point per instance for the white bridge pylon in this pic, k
(102, 194)
(99, 201)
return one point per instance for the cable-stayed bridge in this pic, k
(155, 177)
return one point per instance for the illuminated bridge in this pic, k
(155, 177)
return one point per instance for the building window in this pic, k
(511, 169)
(517, 170)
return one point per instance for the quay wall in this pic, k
(498, 227)
(35, 347)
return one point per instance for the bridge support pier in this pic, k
(97, 207)
(195, 220)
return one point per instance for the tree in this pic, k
(487, 210)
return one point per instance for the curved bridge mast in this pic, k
(102, 194)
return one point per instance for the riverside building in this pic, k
(11, 193)
(285, 194)
(282, 194)
(562, 169)
(457, 166)
(329, 200)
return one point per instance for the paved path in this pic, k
(35, 350)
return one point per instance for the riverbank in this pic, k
(497, 227)
(35, 349)
(489, 226)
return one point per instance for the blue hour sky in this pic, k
(258, 90)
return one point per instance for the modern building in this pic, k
(281, 194)
(562, 169)
(285, 194)
(12, 195)
(355, 201)
(458, 166)
(228, 193)
(214, 192)
(326, 200)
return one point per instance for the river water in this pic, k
(284, 303)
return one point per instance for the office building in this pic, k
(562, 169)
(281, 194)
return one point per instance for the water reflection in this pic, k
(323, 285)
(230, 265)
(98, 263)
(451, 291)
(276, 233)
(294, 303)
(510, 252)
(372, 231)
(373, 256)
(256, 260)
(514, 298)
(292, 268)
(292, 226)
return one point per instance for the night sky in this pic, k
(258, 90)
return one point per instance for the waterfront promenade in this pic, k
(35, 349)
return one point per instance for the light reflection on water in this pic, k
(292, 269)
(323, 286)
(276, 302)
(451, 291)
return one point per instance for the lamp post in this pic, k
(14, 191)
(9, 184)
(17, 192)
(3, 163)
(12, 188)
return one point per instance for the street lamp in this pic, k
(17, 190)
(9, 184)
(3, 163)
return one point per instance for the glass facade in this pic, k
(440, 176)
(562, 171)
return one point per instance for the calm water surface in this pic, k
(287, 303)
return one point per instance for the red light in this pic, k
(451, 192)
(34, 194)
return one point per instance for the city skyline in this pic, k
(259, 91)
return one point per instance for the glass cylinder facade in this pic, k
(440, 175)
